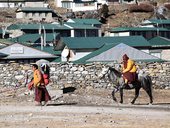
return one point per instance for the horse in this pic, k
(115, 77)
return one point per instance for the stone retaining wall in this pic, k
(68, 74)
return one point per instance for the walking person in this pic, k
(41, 94)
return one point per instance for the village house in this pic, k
(87, 5)
(112, 53)
(160, 47)
(65, 29)
(78, 47)
(147, 32)
(36, 13)
(22, 3)
(22, 53)
(157, 23)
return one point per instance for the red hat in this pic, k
(125, 57)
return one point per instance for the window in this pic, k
(91, 33)
(66, 5)
(79, 33)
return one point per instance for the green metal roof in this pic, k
(87, 21)
(159, 41)
(125, 29)
(160, 21)
(65, 26)
(34, 37)
(34, 9)
(97, 42)
(49, 49)
(37, 26)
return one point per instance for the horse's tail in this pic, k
(146, 83)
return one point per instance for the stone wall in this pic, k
(68, 74)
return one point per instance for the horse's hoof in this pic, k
(121, 102)
(132, 103)
(150, 104)
(115, 99)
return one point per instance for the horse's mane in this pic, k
(116, 72)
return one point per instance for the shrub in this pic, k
(167, 5)
(141, 8)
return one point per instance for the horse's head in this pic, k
(103, 72)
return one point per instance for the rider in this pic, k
(129, 70)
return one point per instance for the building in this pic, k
(35, 13)
(160, 47)
(77, 5)
(22, 3)
(112, 53)
(21, 53)
(87, 5)
(147, 32)
(64, 29)
(79, 47)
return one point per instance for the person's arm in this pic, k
(129, 66)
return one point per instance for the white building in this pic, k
(78, 5)
(22, 3)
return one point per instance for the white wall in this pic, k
(165, 54)
(77, 56)
(34, 4)
(118, 34)
(76, 8)
(6, 5)
(19, 15)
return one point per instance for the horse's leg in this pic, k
(113, 95)
(149, 92)
(121, 95)
(136, 95)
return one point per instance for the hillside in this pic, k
(119, 15)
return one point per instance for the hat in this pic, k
(125, 57)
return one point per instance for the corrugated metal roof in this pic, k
(125, 29)
(159, 41)
(110, 53)
(97, 42)
(49, 49)
(34, 9)
(37, 26)
(20, 51)
(34, 37)
(160, 21)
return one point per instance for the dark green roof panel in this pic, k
(159, 41)
(97, 42)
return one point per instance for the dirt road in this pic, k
(85, 108)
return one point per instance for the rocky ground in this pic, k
(83, 108)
